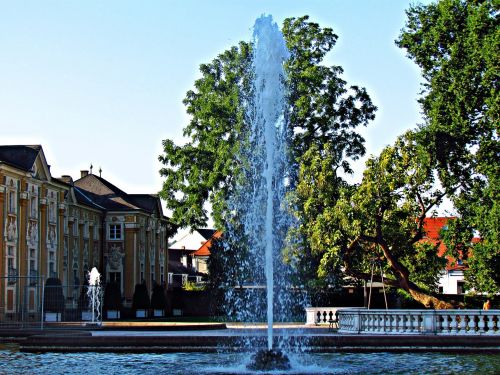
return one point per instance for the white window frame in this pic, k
(112, 234)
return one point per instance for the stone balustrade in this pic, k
(323, 315)
(441, 322)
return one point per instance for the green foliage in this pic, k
(379, 220)
(322, 109)
(456, 44)
(191, 286)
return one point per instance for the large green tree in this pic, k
(322, 109)
(380, 220)
(456, 44)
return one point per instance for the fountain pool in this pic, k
(14, 362)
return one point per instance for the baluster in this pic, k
(463, 318)
(454, 324)
(481, 324)
(491, 324)
(474, 320)
(390, 323)
(418, 320)
(404, 322)
(386, 323)
(396, 326)
(446, 323)
(439, 323)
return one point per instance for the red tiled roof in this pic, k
(432, 228)
(204, 250)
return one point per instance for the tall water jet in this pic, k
(269, 55)
(94, 294)
(260, 217)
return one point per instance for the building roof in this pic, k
(206, 232)
(20, 156)
(97, 191)
(433, 227)
(204, 250)
(191, 240)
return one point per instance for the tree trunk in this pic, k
(428, 300)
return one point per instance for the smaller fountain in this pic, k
(94, 295)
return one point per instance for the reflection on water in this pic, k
(14, 362)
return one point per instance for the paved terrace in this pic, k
(207, 337)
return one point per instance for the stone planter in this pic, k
(158, 313)
(86, 315)
(177, 312)
(53, 316)
(113, 314)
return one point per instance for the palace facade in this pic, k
(60, 228)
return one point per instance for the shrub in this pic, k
(53, 299)
(83, 300)
(191, 286)
(158, 298)
(112, 297)
(140, 300)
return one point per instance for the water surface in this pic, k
(14, 362)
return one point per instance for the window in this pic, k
(115, 232)
(11, 264)
(170, 278)
(75, 228)
(33, 207)
(32, 269)
(460, 287)
(52, 264)
(12, 202)
(142, 272)
(162, 274)
(152, 274)
(52, 212)
(184, 260)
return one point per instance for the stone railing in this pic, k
(323, 315)
(441, 322)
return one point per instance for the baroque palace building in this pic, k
(60, 228)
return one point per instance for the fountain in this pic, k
(259, 198)
(94, 295)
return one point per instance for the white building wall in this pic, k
(449, 281)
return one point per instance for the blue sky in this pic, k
(102, 82)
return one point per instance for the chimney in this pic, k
(66, 178)
(84, 174)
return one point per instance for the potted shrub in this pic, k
(140, 301)
(158, 300)
(53, 300)
(112, 300)
(84, 301)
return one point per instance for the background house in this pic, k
(188, 255)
